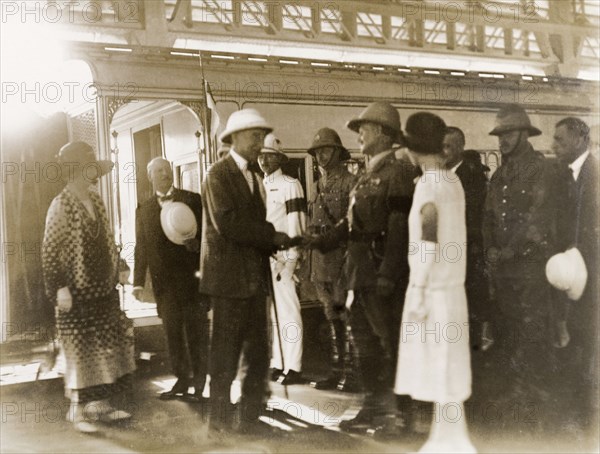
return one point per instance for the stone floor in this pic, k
(33, 409)
(32, 420)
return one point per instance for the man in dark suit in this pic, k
(579, 227)
(173, 270)
(234, 271)
(467, 166)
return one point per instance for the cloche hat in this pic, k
(83, 154)
(425, 133)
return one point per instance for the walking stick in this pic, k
(274, 303)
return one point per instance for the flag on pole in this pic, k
(215, 121)
(210, 118)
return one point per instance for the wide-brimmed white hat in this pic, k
(272, 145)
(178, 222)
(241, 120)
(567, 272)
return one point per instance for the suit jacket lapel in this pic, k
(587, 179)
(177, 195)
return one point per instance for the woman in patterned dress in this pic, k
(80, 264)
(433, 358)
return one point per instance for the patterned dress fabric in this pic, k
(434, 359)
(79, 253)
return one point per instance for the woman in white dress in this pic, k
(433, 357)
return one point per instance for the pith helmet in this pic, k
(567, 272)
(381, 113)
(513, 118)
(178, 222)
(272, 145)
(425, 133)
(327, 137)
(241, 120)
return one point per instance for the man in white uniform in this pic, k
(286, 210)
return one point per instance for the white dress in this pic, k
(433, 357)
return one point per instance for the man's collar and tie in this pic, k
(251, 177)
(243, 165)
(576, 165)
(455, 167)
(162, 198)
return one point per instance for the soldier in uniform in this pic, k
(376, 266)
(518, 232)
(286, 210)
(328, 205)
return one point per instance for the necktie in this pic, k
(256, 192)
(165, 198)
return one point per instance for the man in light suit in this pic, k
(173, 270)
(237, 241)
(579, 227)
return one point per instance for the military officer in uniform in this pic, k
(376, 266)
(286, 210)
(518, 226)
(327, 206)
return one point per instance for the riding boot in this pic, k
(336, 343)
(350, 381)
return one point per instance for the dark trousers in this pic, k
(239, 325)
(187, 339)
(527, 367)
(476, 287)
(579, 360)
(375, 323)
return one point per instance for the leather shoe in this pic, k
(348, 385)
(275, 374)
(363, 421)
(326, 384)
(194, 398)
(292, 378)
(179, 389)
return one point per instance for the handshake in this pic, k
(282, 241)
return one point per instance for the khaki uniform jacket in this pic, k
(376, 225)
(327, 207)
